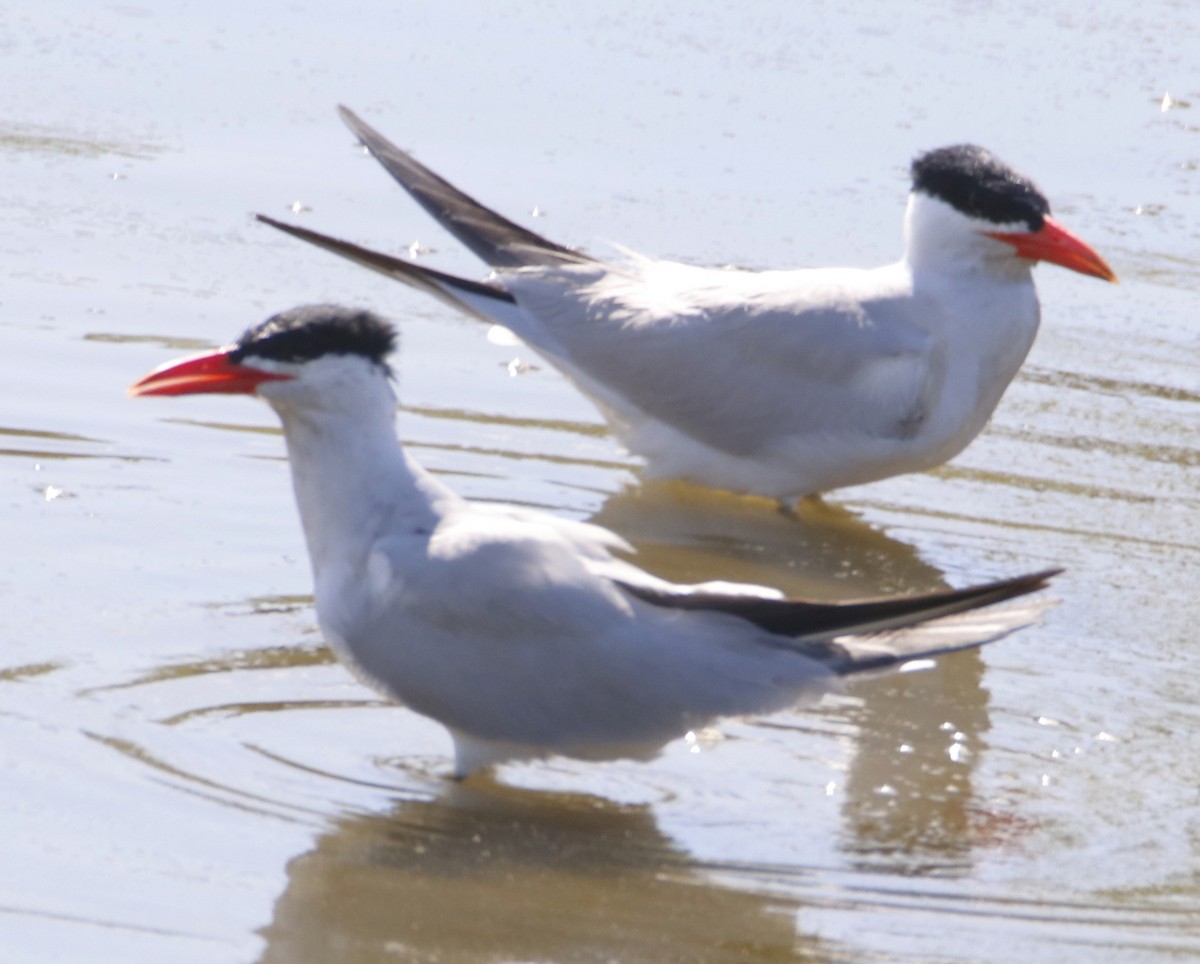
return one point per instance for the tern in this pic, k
(524, 634)
(776, 383)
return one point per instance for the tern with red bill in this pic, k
(776, 383)
(527, 635)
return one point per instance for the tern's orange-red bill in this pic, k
(213, 372)
(1054, 243)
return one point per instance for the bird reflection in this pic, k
(817, 549)
(909, 799)
(488, 873)
(908, 796)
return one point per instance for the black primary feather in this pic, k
(980, 185)
(437, 283)
(813, 628)
(311, 331)
(492, 237)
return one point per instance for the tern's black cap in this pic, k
(979, 185)
(311, 331)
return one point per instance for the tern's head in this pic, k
(967, 202)
(313, 356)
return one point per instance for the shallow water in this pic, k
(185, 774)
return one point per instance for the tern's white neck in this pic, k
(979, 302)
(938, 240)
(354, 481)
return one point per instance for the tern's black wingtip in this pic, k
(1044, 577)
(352, 120)
(278, 225)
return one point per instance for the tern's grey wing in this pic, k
(554, 653)
(738, 369)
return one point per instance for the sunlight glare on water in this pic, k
(187, 774)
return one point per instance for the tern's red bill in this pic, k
(1054, 243)
(213, 372)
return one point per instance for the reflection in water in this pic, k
(820, 550)
(39, 139)
(1121, 387)
(11, 674)
(483, 872)
(909, 804)
(460, 415)
(173, 342)
(907, 796)
(490, 874)
(53, 445)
